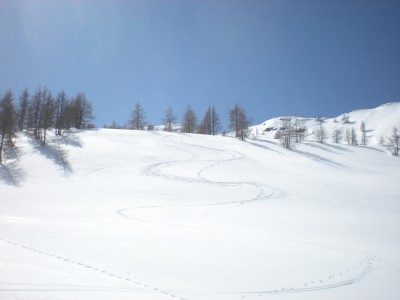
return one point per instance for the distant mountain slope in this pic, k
(379, 123)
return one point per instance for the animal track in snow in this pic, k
(101, 271)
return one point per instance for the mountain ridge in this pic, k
(379, 122)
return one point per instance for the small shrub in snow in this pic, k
(150, 127)
(345, 119)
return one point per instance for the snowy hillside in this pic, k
(379, 123)
(120, 214)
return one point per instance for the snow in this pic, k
(379, 123)
(120, 214)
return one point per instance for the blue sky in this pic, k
(307, 58)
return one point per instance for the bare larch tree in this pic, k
(353, 137)
(7, 114)
(169, 119)
(211, 123)
(23, 109)
(239, 122)
(337, 135)
(393, 144)
(60, 112)
(189, 121)
(287, 133)
(363, 140)
(82, 110)
(138, 117)
(321, 134)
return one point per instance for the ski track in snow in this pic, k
(364, 268)
(154, 170)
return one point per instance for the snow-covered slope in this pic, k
(175, 127)
(119, 214)
(379, 123)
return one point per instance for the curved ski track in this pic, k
(366, 266)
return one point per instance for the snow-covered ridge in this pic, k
(379, 122)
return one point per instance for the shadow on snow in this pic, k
(11, 174)
(55, 154)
